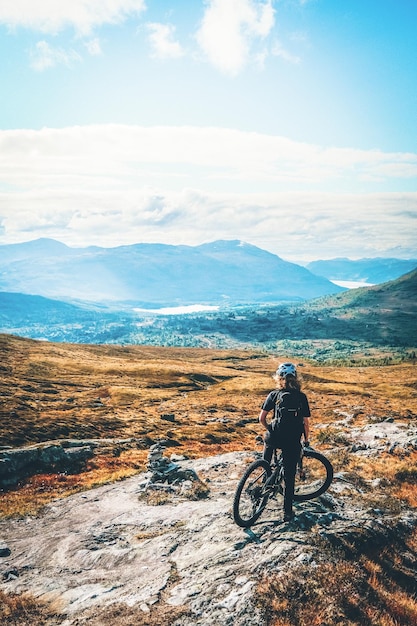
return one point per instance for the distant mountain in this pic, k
(385, 315)
(399, 294)
(152, 275)
(38, 317)
(372, 271)
(382, 314)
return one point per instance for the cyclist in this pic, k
(287, 379)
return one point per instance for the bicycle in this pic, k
(263, 480)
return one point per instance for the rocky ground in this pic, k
(111, 552)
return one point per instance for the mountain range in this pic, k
(372, 271)
(152, 275)
(382, 315)
(262, 299)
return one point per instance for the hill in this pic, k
(372, 271)
(384, 314)
(399, 294)
(119, 553)
(38, 317)
(56, 391)
(149, 275)
(18, 309)
(378, 321)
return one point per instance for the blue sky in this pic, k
(289, 124)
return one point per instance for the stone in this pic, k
(4, 549)
(177, 457)
(19, 463)
(168, 417)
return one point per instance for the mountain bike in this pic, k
(263, 480)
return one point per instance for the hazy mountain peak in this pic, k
(230, 271)
(367, 270)
(35, 245)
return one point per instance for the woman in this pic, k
(290, 422)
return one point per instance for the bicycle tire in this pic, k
(318, 476)
(250, 498)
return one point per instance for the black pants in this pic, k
(290, 456)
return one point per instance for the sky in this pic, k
(287, 124)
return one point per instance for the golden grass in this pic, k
(24, 610)
(58, 391)
(408, 493)
(376, 588)
(392, 469)
(160, 614)
(34, 493)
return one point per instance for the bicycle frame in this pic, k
(278, 468)
(263, 480)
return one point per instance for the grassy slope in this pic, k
(384, 314)
(64, 390)
(395, 294)
(73, 390)
(54, 391)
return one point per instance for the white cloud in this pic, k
(93, 46)
(296, 226)
(109, 185)
(52, 16)
(163, 44)
(211, 154)
(278, 50)
(229, 29)
(44, 56)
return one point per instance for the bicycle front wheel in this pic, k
(251, 495)
(313, 477)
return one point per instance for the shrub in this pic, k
(332, 435)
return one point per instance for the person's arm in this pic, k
(306, 413)
(307, 430)
(262, 418)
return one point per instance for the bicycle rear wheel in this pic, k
(251, 496)
(314, 478)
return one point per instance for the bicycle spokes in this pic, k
(252, 493)
(257, 489)
(313, 476)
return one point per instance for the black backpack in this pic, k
(288, 423)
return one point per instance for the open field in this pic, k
(200, 402)
(203, 402)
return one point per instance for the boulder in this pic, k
(19, 463)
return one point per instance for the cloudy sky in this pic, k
(289, 124)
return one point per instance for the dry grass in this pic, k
(157, 532)
(33, 494)
(393, 470)
(56, 391)
(375, 588)
(158, 615)
(24, 610)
